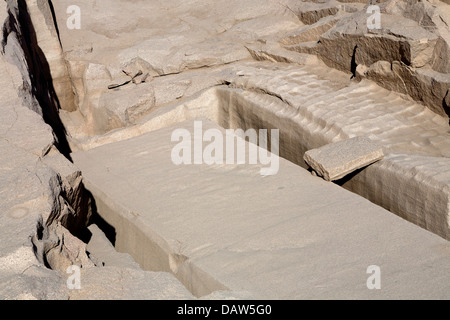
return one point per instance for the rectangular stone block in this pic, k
(335, 160)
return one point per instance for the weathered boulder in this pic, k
(56, 248)
(434, 17)
(404, 40)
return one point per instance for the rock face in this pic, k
(109, 93)
(408, 53)
(47, 39)
(413, 42)
(31, 189)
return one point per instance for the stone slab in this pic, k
(335, 160)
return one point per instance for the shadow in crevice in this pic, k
(341, 182)
(40, 84)
(353, 64)
(55, 23)
(102, 224)
(445, 105)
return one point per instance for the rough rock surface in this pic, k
(320, 77)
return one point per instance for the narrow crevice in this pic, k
(55, 23)
(353, 64)
(102, 224)
(445, 104)
(405, 54)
